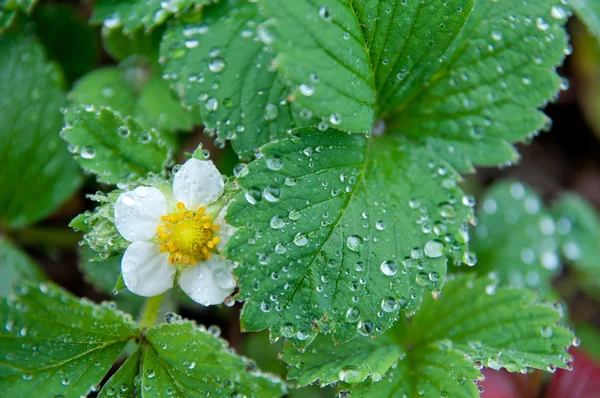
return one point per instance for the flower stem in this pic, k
(151, 311)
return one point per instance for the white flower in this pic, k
(177, 234)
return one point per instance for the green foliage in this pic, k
(355, 118)
(214, 52)
(133, 15)
(123, 381)
(10, 8)
(336, 228)
(485, 91)
(56, 343)
(134, 89)
(15, 266)
(589, 12)
(191, 362)
(516, 237)
(476, 324)
(579, 230)
(57, 24)
(115, 148)
(38, 174)
(323, 55)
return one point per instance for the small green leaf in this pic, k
(487, 87)
(14, 266)
(133, 15)
(122, 383)
(116, 149)
(38, 174)
(9, 9)
(133, 89)
(516, 237)
(578, 228)
(219, 65)
(323, 54)
(335, 228)
(187, 361)
(589, 12)
(55, 343)
(445, 346)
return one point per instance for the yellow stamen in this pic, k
(187, 235)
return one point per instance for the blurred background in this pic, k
(566, 158)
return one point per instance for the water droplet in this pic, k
(216, 65)
(325, 13)
(307, 90)
(87, 152)
(277, 222)
(300, 239)
(434, 249)
(353, 242)
(389, 267)
(351, 375)
(211, 104)
(271, 112)
(558, 12)
(389, 304)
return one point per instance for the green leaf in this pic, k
(57, 24)
(335, 228)
(483, 93)
(404, 54)
(38, 174)
(10, 8)
(578, 228)
(116, 149)
(55, 343)
(589, 12)
(445, 346)
(14, 266)
(133, 15)
(123, 383)
(219, 65)
(188, 361)
(323, 54)
(516, 237)
(134, 90)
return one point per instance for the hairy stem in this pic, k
(151, 311)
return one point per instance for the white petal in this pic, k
(138, 212)
(197, 183)
(225, 230)
(209, 282)
(146, 271)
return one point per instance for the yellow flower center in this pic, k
(188, 235)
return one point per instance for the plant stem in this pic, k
(151, 311)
